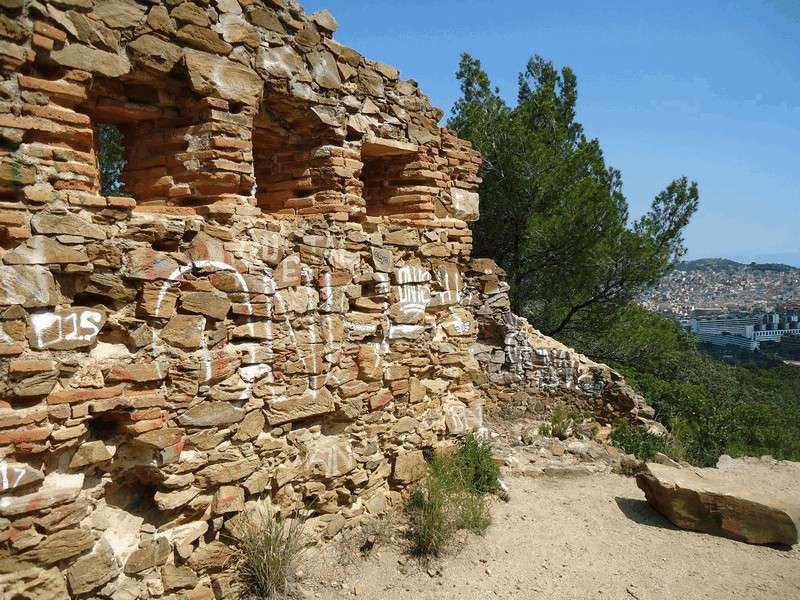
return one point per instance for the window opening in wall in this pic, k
(397, 178)
(109, 155)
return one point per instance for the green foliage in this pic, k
(269, 551)
(634, 441)
(109, 154)
(552, 212)
(477, 467)
(451, 496)
(710, 407)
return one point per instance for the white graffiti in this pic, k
(414, 291)
(52, 328)
(10, 476)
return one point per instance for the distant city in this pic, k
(730, 304)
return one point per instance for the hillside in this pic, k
(724, 286)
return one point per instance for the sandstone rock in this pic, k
(465, 205)
(93, 570)
(210, 414)
(18, 476)
(137, 372)
(175, 500)
(119, 13)
(211, 75)
(42, 250)
(65, 329)
(324, 20)
(176, 578)
(34, 584)
(227, 499)
(324, 70)
(409, 467)
(309, 404)
(184, 331)
(31, 287)
(281, 62)
(153, 52)
(152, 555)
(90, 453)
(222, 473)
(56, 489)
(211, 557)
(697, 500)
(91, 59)
(205, 303)
(148, 264)
(69, 224)
(59, 546)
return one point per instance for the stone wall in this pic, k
(283, 308)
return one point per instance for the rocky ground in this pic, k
(573, 529)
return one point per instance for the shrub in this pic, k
(478, 467)
(268, 552)
(633, 440)
(452, 496)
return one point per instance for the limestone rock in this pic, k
(710, 503)
(465, 205)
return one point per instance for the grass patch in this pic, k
(453, 495)
(269, 550)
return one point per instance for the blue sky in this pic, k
(706, 89)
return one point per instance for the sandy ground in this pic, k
(582, 537)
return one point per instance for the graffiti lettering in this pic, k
(66, 329)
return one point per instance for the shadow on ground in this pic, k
(641, 512)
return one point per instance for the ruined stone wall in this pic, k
(283, 307)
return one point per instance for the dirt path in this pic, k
(578, 537)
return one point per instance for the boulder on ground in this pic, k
(695, 499)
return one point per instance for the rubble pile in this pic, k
(283, 307)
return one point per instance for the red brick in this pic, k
(24, 435)
(11, 349)
(42, 42)
(17, 367)
(54, 88)
(49, 31)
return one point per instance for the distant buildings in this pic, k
(746, 333)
